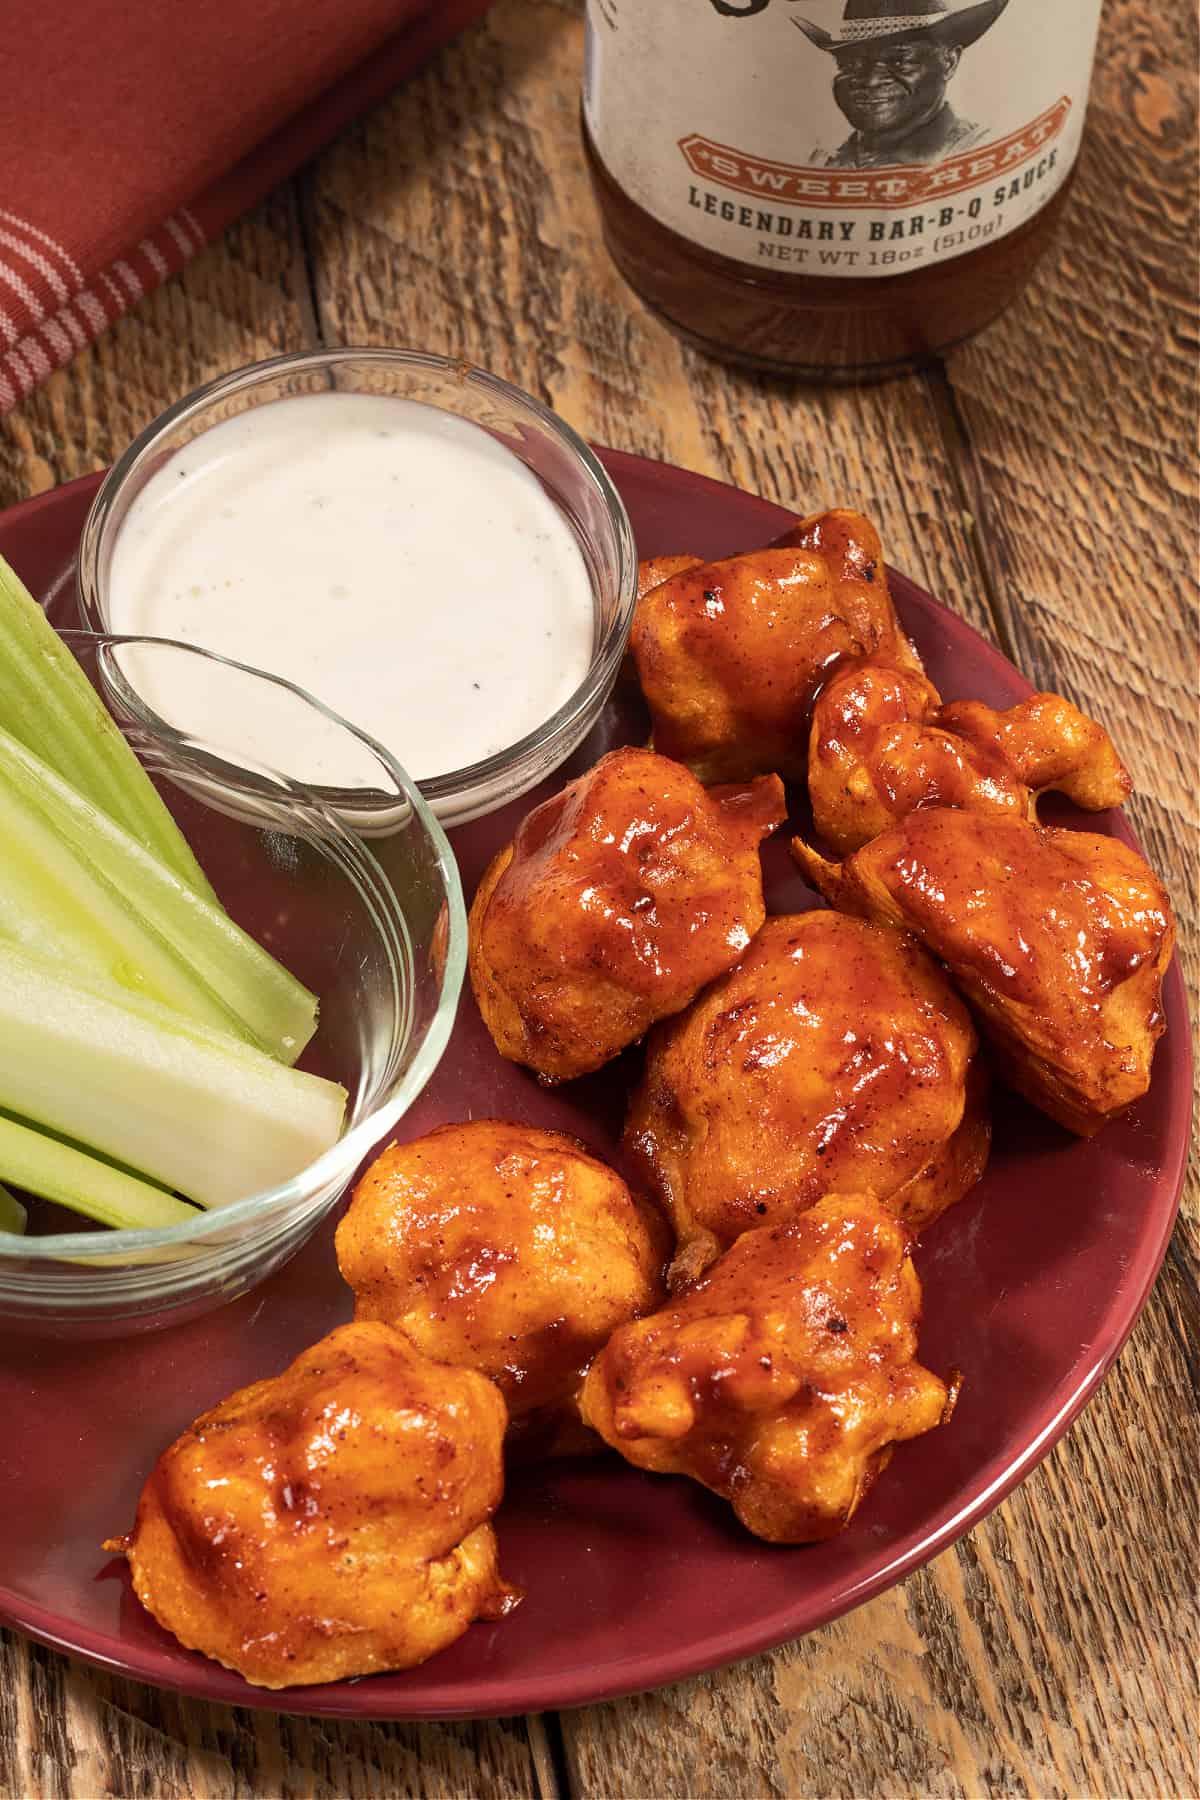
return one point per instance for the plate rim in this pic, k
(200, 1678)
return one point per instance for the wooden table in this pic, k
(1042, 482)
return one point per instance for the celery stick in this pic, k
(13, 1217)
(212, 1118)
(213, 971)
(56, 1171)
(48, 702)
(53, 903)
(114, 1162)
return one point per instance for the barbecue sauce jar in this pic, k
(833, 189)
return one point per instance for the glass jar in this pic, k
(834, 191)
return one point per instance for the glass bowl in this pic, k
(566, 468)
(364, 906)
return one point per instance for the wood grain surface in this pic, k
(1042, 482)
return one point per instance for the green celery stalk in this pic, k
(59, 1172)
(113, 1161)
(212, 1118)
(55, 905)
(48, 703)
(13, 1217)
(85, 886)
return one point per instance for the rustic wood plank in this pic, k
(73, 1733)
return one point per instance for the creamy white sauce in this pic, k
(394, 560)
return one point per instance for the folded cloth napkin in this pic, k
(134, 131)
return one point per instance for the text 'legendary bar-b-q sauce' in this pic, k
(833, 188)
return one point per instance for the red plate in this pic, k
(1032, 1285)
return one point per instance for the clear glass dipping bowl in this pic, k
(568, 470)
(366, 909)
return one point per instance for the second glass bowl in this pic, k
(365, 908)
(568, 471)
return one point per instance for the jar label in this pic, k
(852, 138)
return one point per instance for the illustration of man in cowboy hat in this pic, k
(895, 59)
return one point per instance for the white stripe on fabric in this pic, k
(22, 290)
(43, 237)
(65, 316)
(129, 277)
(42, 366)
(94, 314)
(180, 235)
(17, 363)
(58, 340)
(42, 264)
(154, 257)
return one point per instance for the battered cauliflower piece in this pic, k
(618, 899)
(1049, 745)
(730, 653)
(882, 744)
(1059, 939)
(876, 753)
(509, 1250)
(835, 1058)
(329, 1521)
(654, 570)
(781, 1379)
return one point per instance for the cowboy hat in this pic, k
(892, 21)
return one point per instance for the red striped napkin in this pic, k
(134, 131)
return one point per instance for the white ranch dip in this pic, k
(394, 560)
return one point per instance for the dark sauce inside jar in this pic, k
(808, 326)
